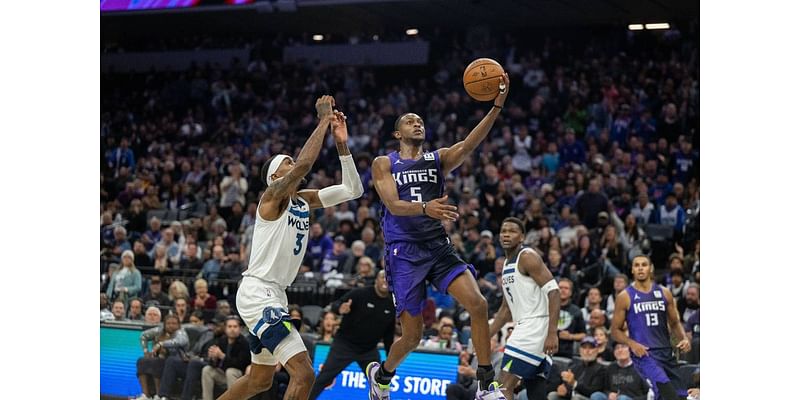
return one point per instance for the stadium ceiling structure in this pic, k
(342, 16)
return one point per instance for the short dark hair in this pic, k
(397, 121)
(517, 221)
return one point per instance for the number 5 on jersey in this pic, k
(299, 243)
(416, 194)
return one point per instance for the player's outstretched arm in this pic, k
(452, 157)
(387, 190)
(532, 265)
(351, 186)
(281, 189)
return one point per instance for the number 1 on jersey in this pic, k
(416, 194)
(299, 243)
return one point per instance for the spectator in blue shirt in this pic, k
(319, 244)
(661, 187)
(122, 156)
(153, 236)
(550, 160)
(684, 162)
(573, 151)
(212, 267)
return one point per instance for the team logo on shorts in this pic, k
(273, 315)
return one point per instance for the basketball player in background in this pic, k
(410, 183)
(648, 308)
(279, 245)
(531, 299)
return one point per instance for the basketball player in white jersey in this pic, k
(530, 297)
(279, 244)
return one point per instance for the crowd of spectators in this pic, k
(597, 151)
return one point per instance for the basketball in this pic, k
(482, 79)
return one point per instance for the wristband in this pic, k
(495, 105)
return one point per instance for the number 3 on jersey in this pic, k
(299, 243)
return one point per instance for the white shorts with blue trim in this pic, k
(524, 353)
(252, 298)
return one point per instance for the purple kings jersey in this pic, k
(417, 181)
(647, 317)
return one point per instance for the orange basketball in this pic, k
(482, 79)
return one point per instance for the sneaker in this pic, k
(143, 397)
(377, 391)
(492, 393)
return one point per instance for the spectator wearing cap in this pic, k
(583, 377)
(590, 203)
(622, 382)
(155, 295)
(484, 254)
(127, 282)
(336, 257)
(319, 244)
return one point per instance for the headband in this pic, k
(273, 167)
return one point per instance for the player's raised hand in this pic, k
(504, 86)
(325, 106)
(685, 345)
(638, 349)
(345, 307)
(440, 209)
(339, 126)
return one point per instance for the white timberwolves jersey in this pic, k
(523, 295)
(279, 246)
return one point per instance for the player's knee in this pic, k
(305, 376)
(477, 306)
(412, 337)
(259, 385)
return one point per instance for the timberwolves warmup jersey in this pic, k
(647, 317)
(417, 181)
(279, 246)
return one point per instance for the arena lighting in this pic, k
(635, 27)
(317, 38)
(660, 25)
(412, 31)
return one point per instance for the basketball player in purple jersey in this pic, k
(410, 184)
(648, 309)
